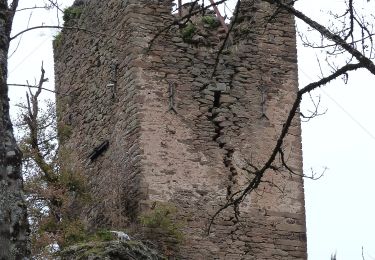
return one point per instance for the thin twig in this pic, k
(31, 86)
(56, 27)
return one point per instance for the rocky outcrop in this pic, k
(112, 250)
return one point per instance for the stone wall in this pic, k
(184, 124)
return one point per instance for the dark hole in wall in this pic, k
(217, 95)
(98, 150)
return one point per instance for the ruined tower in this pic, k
(156, 116)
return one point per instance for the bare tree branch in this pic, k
(55, 4)
(366, 62)
(258, 175)
(31, 8)
(13, 6)
(19, 41)
(32, 122)
(56, 27)
(226, 39)
(30, 86)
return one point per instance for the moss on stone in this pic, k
(64, 131)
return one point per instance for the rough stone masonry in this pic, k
(167, 120)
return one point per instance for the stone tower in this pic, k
(157, 116)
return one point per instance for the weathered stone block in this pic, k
(217, 86)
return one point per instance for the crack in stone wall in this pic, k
(221, 117)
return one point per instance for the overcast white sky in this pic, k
(340, 206)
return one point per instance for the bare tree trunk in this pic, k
(13, 216)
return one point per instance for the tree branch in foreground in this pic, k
(238, 197)
(31, 86)
(366, 62)
(56, 27)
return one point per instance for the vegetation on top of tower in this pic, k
(73, 12)
(211, 21)
(188, 32)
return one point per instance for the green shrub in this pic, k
(188, 32)
(73, 12)
(103, 235)
(57, 40)
(74, 182)
(211, 21)
(162, 220)
(74, 232)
